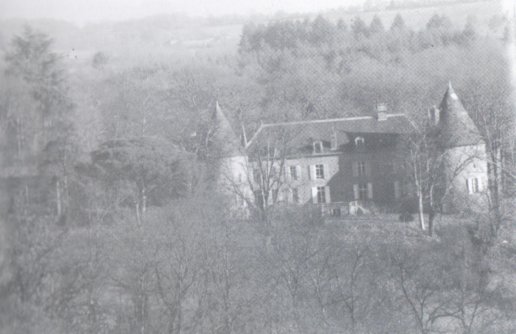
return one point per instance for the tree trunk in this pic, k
(431, 213)
(431, 216)
(495, 188)
(421, 212)
(137, 211)
(144, 200)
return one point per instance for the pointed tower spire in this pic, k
(224, 137)
(217, 112)
(451, 92)
(457, 127)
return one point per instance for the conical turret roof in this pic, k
(226, 141)
(456, 126)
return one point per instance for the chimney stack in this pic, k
(381, 111)
(434, 115)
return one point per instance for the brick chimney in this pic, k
(381, 112)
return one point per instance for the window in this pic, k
(473, 185)
(335, 212)
(293, 173)
(295, 195)
(361, 168)
(321, 195)
(284, 195)
(334, 142)
(319, 171)
(318, 147)
(362, 189)
(359, 142)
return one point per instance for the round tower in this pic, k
(231, 163)
(465, 172)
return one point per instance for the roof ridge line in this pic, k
(254, 136)
(328, 120)
(262, 125)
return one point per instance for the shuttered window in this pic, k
(361, 168)
(356, 192)
(294, 176)
(362, 191)
(320, 195)
(295, 195)
(473, 185)
(361, 165)
(319, 171)
(334, 142)
(318, 147)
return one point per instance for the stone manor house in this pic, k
(349, 165)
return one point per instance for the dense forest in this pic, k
(112, 223)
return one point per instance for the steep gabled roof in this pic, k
(225, 139)
(456, 128)
(301, 133)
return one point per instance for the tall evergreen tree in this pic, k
(398, 24)
(36, 72)
(359, 28)
(376, 25)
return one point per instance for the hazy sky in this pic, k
(81, 11)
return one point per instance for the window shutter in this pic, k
(288, 177)
(468, 186)
(298, 170)
(369, 190)
(314, 195)
(311, 168)
(355, 168)
(397, 193)
(480, 184)
(326, 170)
(327, 194)
(356, 192)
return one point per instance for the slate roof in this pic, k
(456, 128)
(303, 133)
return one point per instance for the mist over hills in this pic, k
(179, 36)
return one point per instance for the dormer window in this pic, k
(318, 147)
(359, 142)
(334, 142)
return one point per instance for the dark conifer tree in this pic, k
(398, 24)
(376, 26)
(359, 28)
